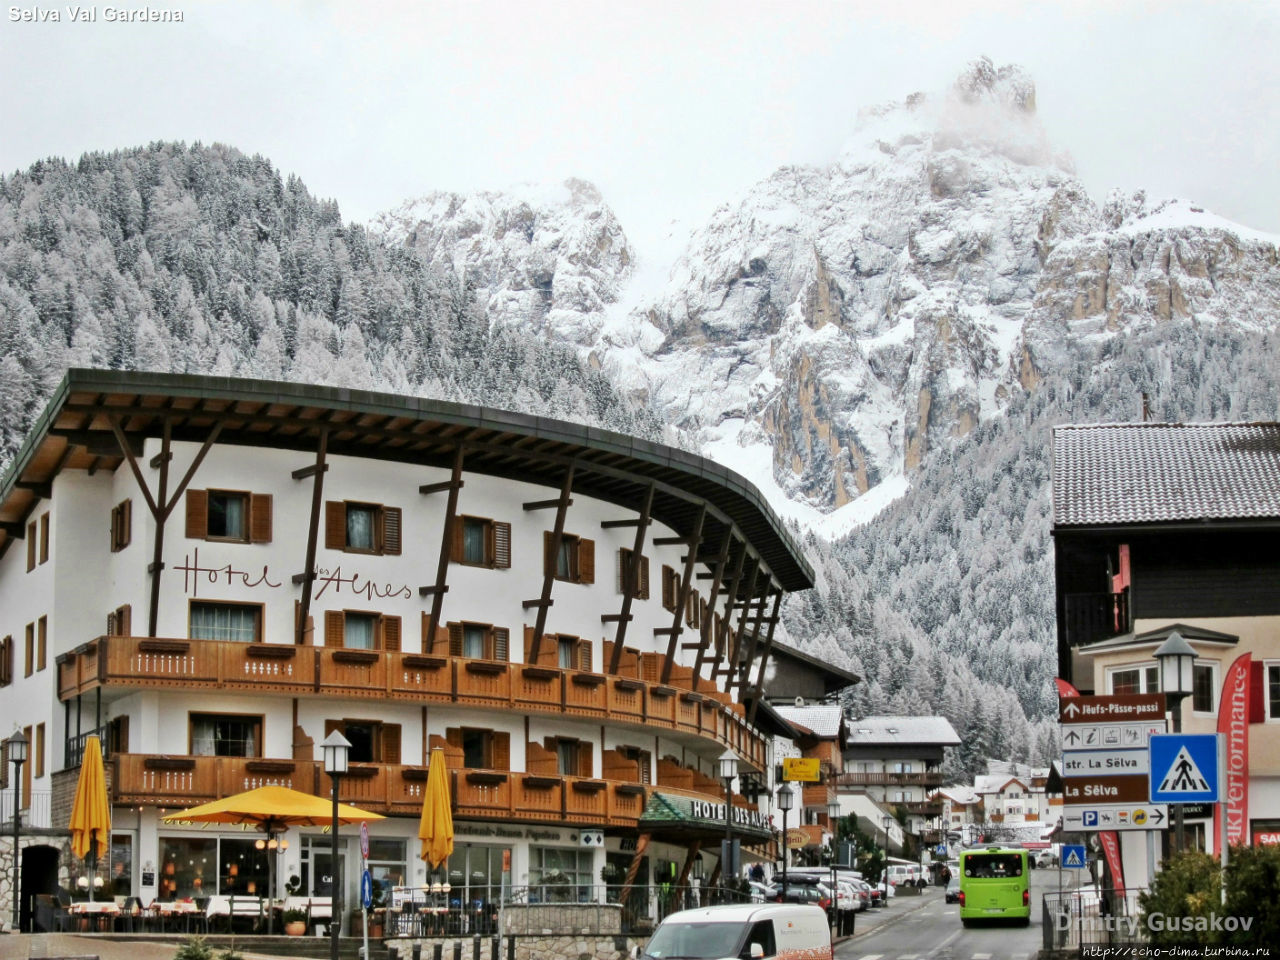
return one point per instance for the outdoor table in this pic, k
(94, 914)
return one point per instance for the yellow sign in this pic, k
(797, 839)
(807, 769)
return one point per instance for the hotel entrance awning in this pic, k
(686, 818)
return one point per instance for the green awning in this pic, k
(668, 812)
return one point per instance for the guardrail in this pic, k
(1089, 917)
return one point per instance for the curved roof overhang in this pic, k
(92, 412)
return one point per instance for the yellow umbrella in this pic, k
(435, 829)
(273, 809)
(91, 811)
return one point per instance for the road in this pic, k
(927, 928)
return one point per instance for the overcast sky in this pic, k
(670, 106)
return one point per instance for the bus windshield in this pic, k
(989, 866)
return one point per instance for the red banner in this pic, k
(1065, 689)
(1111, 847)
(1233, 722)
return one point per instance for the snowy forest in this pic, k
(202, 260)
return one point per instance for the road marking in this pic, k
(872, 956)
(982, 956)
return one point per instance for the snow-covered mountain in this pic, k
(826, 331)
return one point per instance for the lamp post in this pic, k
(17, 756)
(884, 871)
(271, 847)
(727, 767)
(833, 818)
(1177, 663)
(786, 797)
(336, 748)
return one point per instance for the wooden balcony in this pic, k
(287, 670)
(1095, 616)
(928, 778)
(922, 808)
(508, 796)
(817, 795)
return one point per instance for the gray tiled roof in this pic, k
(822, 718)
(890, 730)
(1124, 473)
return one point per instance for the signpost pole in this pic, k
(1223, 845)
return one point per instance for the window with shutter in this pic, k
(121, 525)
(6, 661)
(31, 546)
(670, 588)
(235, 516)
(391, 634)
(30, 660)
(479, 641)
(42, 642)
(354, 527)
(625, 560)
(585, 658)
(574, 562)
(481, 542)
(44, 537)
(501, 753)
(391, 743)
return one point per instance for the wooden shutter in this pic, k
(501, 545)
(501, 744)
(584, 759)
(501, 643)
(548, 555)
(197, 514)
(391, 743)
(391, 634)
(644, 578)
(455, 539)
(455, 639)
(126, 523)
(335, 525)
(44, 537)
(668, 591)
(586, 561)
(330, 726)
(31, 546)
(334, 628)
(113, 628)
(120, 735)
(584, 655)
(426, 645)
(124, 620)
(528, 643)
(6, 663)
(391, 517)
(441, 644)
(260, 518)
(453, 737)
(309, 629)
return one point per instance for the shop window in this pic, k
(574, 561)
(229, 515)
(225, 735)
(121, 525)
(234, 622)
(560, 874)
(362, 527)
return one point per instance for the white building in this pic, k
(214, 574)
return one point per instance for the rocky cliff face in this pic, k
(853, 317)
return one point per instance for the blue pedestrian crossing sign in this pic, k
(1184, 767)
(1073, 856)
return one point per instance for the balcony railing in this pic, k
(175, 782)
(922, 808)
(927, 778)
(35, 810)
(308, 671)
(1096, 616)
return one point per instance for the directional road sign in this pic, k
(1089, 763)
(1073, 856)
(1104, 789)
(1115, 816)
(1124, 708)
(1184, 768)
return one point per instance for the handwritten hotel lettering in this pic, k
(194, 573)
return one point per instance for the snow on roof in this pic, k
(878, 730)
(1123, 473)
(960, 793)
(822, 718)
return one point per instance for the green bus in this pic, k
(993, 885)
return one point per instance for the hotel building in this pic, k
(214, 574)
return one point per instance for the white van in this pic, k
(758, 931)
(908, 874)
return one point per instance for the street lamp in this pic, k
(833, 818)
(1177, 664)
(884, 871)
(786, 797)
(727, 767)
(17, 756)
(336, 748)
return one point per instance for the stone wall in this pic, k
(552, 947)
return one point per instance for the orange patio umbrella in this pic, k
(91, 810)
(435, 829)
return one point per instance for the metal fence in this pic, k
(1090, 917)
(36, 813)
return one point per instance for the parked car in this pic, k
(870, 896)
(802, 890)
(953, 890)
(762, 892)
